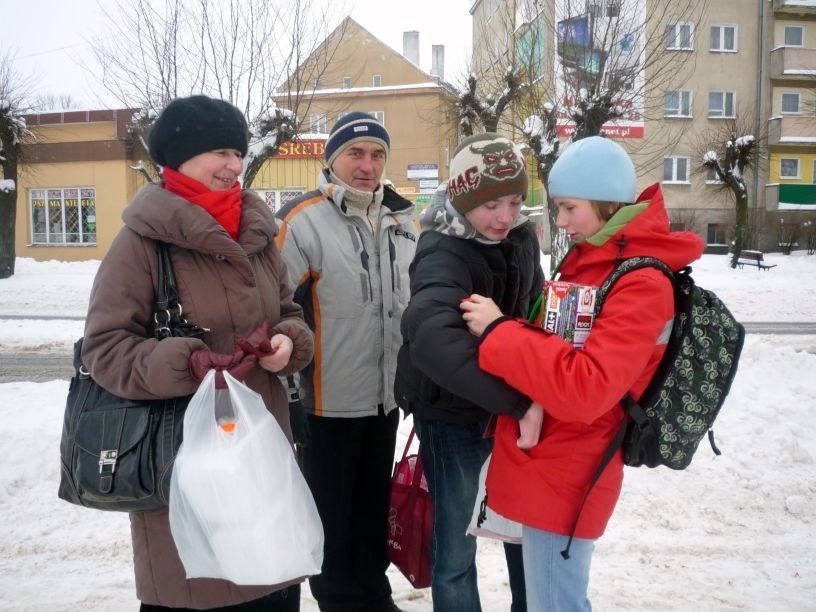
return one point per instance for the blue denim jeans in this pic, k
(555, 584)
(452, 456)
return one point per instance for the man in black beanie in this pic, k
(348, 246)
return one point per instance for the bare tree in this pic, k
(730, 151)
(14, 90)
(610, 69)
(236, 50)
(50, 102)
(487, 111)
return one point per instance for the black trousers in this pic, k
(286, 600)
(348, 465)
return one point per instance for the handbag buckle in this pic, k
(108, 457)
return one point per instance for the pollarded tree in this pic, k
(235, 50)
(13, 92)
(730, 152)
(487, 109)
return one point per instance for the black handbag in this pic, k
(117, 454)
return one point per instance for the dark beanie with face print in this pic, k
(485, 167)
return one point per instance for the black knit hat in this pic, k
(484, 168)
(190, 126)
(354, 127)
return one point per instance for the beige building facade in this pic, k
(747, 66)
(361, 73)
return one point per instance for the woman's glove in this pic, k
(257, 342)
(239, 365)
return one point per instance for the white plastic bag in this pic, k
(492, 524)
(240, 508)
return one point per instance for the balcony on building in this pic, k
(794, 130)
(793, 196)
(795, 63)
(795, 7)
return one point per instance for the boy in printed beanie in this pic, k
(543, 478)
(347, 247)
(474, 240)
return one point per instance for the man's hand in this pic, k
(479, 312)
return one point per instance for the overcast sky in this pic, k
(50, 37)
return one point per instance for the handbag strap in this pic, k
(167, 314)
(166, 290)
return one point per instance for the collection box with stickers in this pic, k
(566, 309)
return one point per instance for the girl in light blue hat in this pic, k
(576, 392)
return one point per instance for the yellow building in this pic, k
(352, 70)
(74, 182)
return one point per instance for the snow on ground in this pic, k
(730, 533)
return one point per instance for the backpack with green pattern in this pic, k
(678, 407)
(685, 395)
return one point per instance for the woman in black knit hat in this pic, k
(232, 282)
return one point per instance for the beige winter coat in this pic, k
(226, 286)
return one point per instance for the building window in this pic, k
(721, 104)
(317, 124)
(318, 84)
(790, 103)
(712, 176)
(675, 169)
(724, 38)
(789, 168)
(378, 115)
(794, 36)
(679, 36)
(278, 198)
(376, 80)
(346, 82)
(717, 233)
(677, 103)
(63, 216)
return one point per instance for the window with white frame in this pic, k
(721, 104)
(346, 82)
(791, 103)
(278, 198)
(794, 36)
(676, 169)
(63, 216)
(723, 38)
(679, 36)
(317, 124)
(789, 168)
(376, 80)
(677, 103)
(378, 115)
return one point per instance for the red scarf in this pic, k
(224, 205)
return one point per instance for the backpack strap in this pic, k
(631, 409)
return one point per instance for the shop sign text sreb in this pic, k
(418, 172)
(302, 148)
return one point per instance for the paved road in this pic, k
(39, 367)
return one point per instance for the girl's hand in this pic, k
(479, 312)
(530, 427)
(277, 359)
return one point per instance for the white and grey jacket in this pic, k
(353, 290)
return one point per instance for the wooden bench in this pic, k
(753, 258)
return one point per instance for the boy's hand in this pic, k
(479, 312)
(530, 427)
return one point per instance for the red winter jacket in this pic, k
(580, 388)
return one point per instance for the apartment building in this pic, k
(689, 74)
